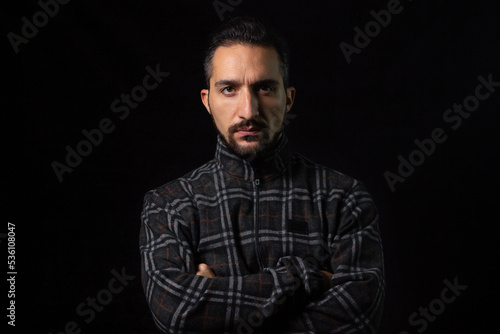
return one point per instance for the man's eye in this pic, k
(266, 89)
(228, 89)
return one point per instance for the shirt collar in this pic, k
(272, 163)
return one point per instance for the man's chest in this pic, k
(242, 229)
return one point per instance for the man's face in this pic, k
(247, 98)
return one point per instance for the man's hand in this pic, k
(204, 270)
(327, 276)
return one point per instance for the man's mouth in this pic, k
(248, 131)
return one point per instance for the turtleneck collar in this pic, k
(265, 166)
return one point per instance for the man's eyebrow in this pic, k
(224, 82)
(268, 82)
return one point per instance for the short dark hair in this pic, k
(247, 30)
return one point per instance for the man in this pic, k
(259, 239)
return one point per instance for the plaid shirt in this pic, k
(265, 229)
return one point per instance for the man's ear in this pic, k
(290, 97)
(204, 98)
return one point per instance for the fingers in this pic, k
(204, 270)
(202, 267)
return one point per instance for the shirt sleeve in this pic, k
(183, 302)
(354, 302)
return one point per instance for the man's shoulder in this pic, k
(182, 187)
(330, 176)
(332, 183)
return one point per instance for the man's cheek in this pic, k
(276, 121)
(220, 126)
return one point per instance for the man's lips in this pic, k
(248, 132)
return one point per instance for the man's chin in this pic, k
(249, 147)
(246, 149)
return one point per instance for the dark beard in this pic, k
(266, 143)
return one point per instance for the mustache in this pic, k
(248, 123)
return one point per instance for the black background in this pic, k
(357, 117)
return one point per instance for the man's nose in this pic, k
(248, 104)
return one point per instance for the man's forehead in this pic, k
(229, 62)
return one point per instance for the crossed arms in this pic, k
(296, 295)
(204, 270)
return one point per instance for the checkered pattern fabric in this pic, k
(266, 228)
